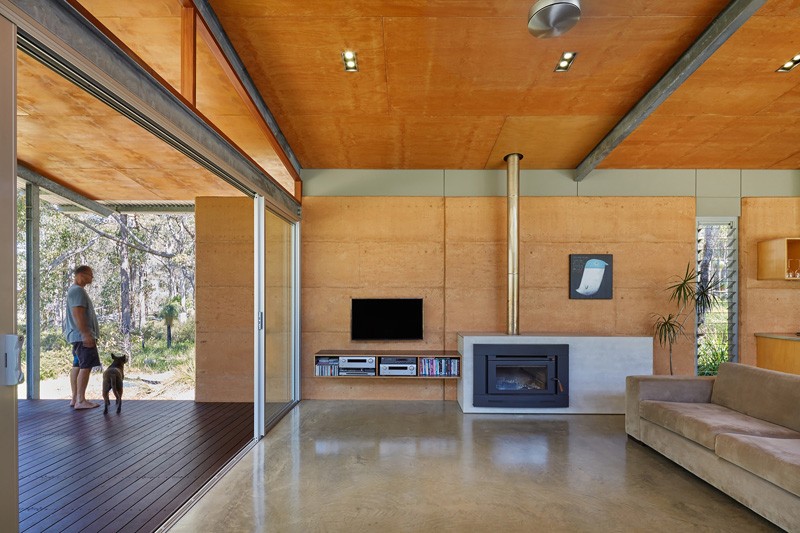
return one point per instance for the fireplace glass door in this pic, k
(515, 375)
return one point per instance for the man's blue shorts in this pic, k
(83, 357)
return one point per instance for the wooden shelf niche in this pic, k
(779, 259)
(430, 364)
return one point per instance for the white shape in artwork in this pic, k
(592, 277)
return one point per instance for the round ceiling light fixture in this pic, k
(551, 18)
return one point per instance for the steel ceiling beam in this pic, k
(721, 28)
(33, 177)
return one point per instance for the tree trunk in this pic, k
(125, 288)
(169, 336)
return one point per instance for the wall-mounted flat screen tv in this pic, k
(386, 319)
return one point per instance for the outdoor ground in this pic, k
(138, 386)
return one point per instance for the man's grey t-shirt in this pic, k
(78, 297)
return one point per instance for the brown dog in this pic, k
(112, 379)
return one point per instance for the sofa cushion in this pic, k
(765, 394)
(776, 460)
(702, 422)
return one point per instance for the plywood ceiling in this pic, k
(152, 30)
(70, 137)
(460, 83)
(453, 84)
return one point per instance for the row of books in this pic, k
(438, 366)
(326, 366)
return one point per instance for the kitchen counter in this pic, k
(778, 351)
(782, 336)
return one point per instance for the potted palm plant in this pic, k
(691, 296)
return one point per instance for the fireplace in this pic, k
(521, 375)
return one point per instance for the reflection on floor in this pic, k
(425, 466)
(85, 471)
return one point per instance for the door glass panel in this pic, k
(279, 307)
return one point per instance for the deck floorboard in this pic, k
(89, 472)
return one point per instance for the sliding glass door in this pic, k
(279, 324)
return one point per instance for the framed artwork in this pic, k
(591, 276)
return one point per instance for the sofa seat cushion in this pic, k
(702, 422)
(776, 460)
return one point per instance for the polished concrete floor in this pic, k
(424, 466)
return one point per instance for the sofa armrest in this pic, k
(689, 389)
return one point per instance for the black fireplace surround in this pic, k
(521, 375)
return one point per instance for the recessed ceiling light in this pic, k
(350, 61)
(789, 65)
(565, 62)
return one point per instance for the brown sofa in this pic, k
(739, 431)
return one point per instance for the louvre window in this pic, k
(717, 263)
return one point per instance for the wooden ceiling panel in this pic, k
(710, 142)
(215, 94)
(71, 99)
(704, 95)
(761, 46)
(137, 9)
(460, 83)
(377, 141)
(453, 8)
(786, 104)
(183, 183)
(695, 129)
(442, 61)
(69, 136)
(221, 104)
(247, 134)
(737, 110)
(297, 66)
(85, 181)
(780, 8)
(493, 66)
(538, 138)
(150, 28)
(666, 154)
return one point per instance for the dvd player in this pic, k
(398, 370)
(357, 362)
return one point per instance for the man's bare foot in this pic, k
(72, 403)
(86, 405)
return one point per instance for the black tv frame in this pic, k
(386, 319)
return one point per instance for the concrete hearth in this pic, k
(597, 370)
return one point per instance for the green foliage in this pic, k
(170, 311)
(56, 354)
(54, 340)
(712, 351)
(184, 333)
(691, 296)
(55, 362)
(156, 357)
(667, 329)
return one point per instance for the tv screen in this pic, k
(386, 319)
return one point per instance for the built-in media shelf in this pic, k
(779, 259)
(416, 364)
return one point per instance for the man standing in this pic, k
(81, 330)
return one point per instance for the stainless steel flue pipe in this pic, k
(512, 191)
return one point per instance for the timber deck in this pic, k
(83, 471)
